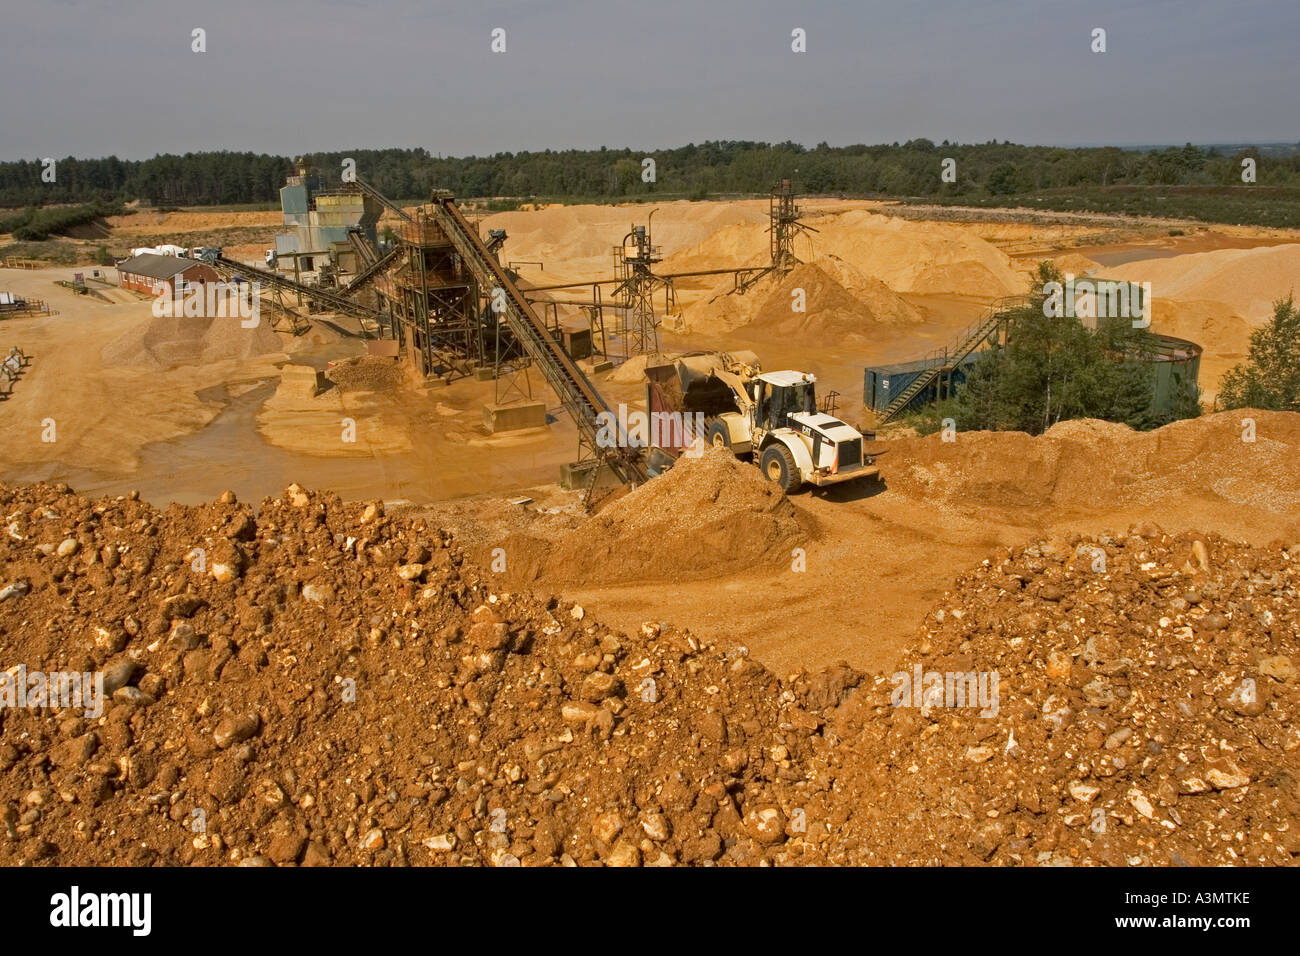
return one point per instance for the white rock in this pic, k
(442, 843)
(316, 593)
(1084, 792)
(1141, 804)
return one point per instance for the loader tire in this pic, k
(777, 464)
(718, 434)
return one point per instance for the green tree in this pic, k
(1270, 377)
(1056, 368)
(1002, 180)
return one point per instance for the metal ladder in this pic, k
(949, 358)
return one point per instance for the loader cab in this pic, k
(778, 395)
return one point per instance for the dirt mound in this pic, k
(840, 304)
(366, 373)
(331, 685)
(168, 341)
(1095, 464)
(1129, 704)
(1246, 281)
(706, 516)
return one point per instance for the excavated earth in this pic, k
(317, 682)
(708, 516)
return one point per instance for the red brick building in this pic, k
(154, 275)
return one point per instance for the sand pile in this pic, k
(1073, 263)
(1037, 234)
(1247, 281)
(841, 305)
(151, 222)
(632, 372)
(1212, 325)
(1102, 464)
(366, 373)
(737, 245)
(918, 257)
(721, 309)
(575, 238)
(1143, 712)
(320, 332)
(167, 341)
(707, 516)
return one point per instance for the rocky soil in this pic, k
(316, 682)
(1146, 703)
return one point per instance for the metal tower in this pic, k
(783, 226)
(635, 289)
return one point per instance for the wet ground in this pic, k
(458, 460)
(1166, 247)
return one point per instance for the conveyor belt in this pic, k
(380, 198)
(336, 301)
(580, 398)
(363, 278)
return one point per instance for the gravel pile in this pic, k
(1147, 695)
(368, 373)
(317, 682)
(332, 685)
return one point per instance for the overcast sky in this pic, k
(289, 76)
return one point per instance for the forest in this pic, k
(1206, 180)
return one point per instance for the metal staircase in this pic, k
(949, 357)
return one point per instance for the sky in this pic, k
(92, 79)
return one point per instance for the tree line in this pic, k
(914, 168)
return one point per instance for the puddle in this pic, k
(1131, 255)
